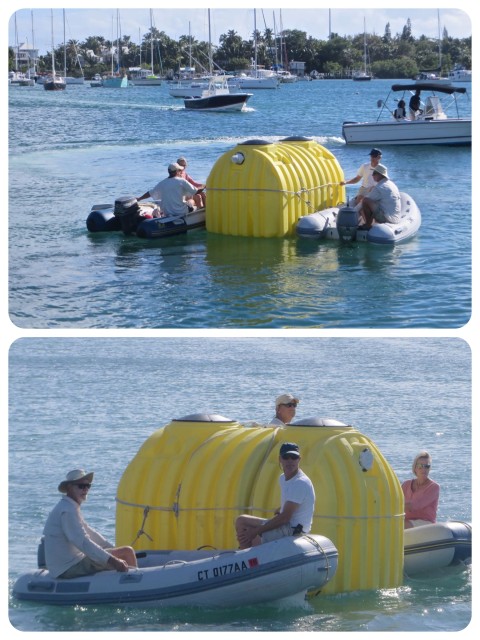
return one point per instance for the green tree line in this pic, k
(389, 56)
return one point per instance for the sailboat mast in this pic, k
(439, 43)
(364, 46)
(151, 39)
(209, 46)
(53, 49)
(255, 39)
(64, 49)
(33, 47)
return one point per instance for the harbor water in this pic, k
(72, 149)
(92, 402)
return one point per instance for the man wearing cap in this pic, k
(364, 174)
(72, 548)
(383, 203)
(285, 408)
(172, 192)
(295, 515)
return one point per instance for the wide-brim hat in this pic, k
(75, 476)
(382, 170)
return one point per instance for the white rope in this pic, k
(175, 508)
(285, 191)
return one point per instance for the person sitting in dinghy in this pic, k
(72, 548)
(285, 408)
(421, 494)
(200, 198)
(295, 515)
(172, 192)
(383, 203)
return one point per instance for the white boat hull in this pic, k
(266, 573)
(451, 131)
(146, 82)
(323, 225)
(192, 90)
(435, 546)
(247, 82)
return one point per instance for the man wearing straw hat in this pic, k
(72, 548)
(383, 203)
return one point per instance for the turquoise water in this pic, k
(92, 402)
(72, 149)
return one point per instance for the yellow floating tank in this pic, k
(191, 478)
(261, 189)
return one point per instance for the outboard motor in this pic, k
(41, 554)
(128, 211)
(347, 223)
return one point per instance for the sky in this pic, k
(192, 18)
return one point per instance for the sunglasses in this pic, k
(424, 466)
(84, 485)
(289, 456)
(290, 404)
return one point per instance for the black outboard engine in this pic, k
(41, 562)
(128, 211)
(347, 223)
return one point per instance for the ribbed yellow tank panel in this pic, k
(198, 476)
(153, 479)
(261, 189)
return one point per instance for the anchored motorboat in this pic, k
(428, 125)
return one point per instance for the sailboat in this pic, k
(430, 75)
(115, 80)
(18, 77)
(53, 82)
(261, 78)
(217, 96)
(70, 79)
(145, 77)
(363, 75)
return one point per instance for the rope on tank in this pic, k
(286, 191)
(300, 193)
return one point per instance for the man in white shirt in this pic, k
(365, 174)
(72, 548)
(285, 408)
(295, 515)
(172, 193)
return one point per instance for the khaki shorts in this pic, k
(85, 567)
(275, 534)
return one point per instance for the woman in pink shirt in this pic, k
(200, 198)
(421, 494)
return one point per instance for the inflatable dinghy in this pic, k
(268, 572)
(143, 220)
(435, 546)
(341, 223)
